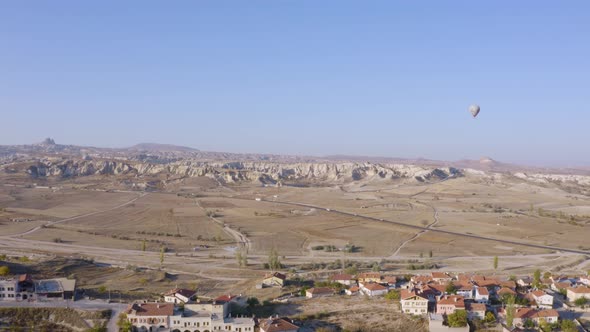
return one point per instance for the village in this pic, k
(446, 301)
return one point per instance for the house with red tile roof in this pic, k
(412, 303)
(150, 316)
(373, 289)
(482, 295)
(448, 304)
(440, 277)
(277, 325)
(521, 315)
(316, 292)
(574, 293)
(506, 291)
(344, 279)
(369, 277)
(354, 290)
(542, 299)
(475, 310)
(274, 279)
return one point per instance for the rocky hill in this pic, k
(232, 172)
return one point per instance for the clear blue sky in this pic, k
(378, 78)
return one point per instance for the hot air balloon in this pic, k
(474, 110)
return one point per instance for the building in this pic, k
(274, 279)
(389, 281)
(277, 325)
(523, 314)
(576, 293)
(59, 288)
(316, 292)
(354, 290)
(413, 303)
(8, 289)
(475, 311)
(209, 316)
(344, 279)
(542, 299)
(150, 316)
(482, 295)
(179, 295)
(441, 277)
(369, 277)
(373, 289)
(449, 304)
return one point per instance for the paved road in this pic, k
(116, 308)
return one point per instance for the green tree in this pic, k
(510, 310)
(3, 257)
(143, 245)
(421, 254)
(457, 319)
(495, 262)
(124, 324)
(528, 323)
(4, 271)
(544, 326)
(581, 301)
(393, 295)
(568, 326)
(162, 251)
(102, 289)
(274, 263)
(451, 289)
(376, 267)
(430, 253)
(490, 318)
(547, 275)
(252, 302)
(537, 278)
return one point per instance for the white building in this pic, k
(210, 316)
(482, 295)
(373, 289)
(543, 299)
(413, 304)
(8, 289)
(179, 295)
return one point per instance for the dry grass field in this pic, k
(197, 212)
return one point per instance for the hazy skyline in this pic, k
(302, 77)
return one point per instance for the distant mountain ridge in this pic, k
(165, 153)
(157, 147)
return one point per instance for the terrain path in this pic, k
(417, 235)
(143, 194)
(241, 239)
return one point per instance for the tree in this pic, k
(242, 258)
(568, 326)
(510, 310)
(457, 319)
(143, 245)
(274, 263)
(4, 271)
(124, 324)
(451, 289)
(547, 275)
(252, 302)
(421, 254)
(102, 289)
(495, 262)
(544, 326)
(490, 318)
(393, 295)
(376, 267)
(528, 323)
(537, 278)
(581, 301)
(162, 251)
(430, 253)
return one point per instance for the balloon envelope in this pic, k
(474, 110)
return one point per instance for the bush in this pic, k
(581, 301)
(457, 319)
(4, 271)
